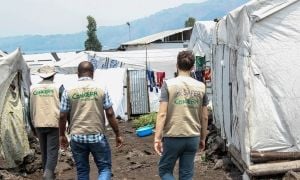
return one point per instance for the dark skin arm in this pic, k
(62, 130)
(110, 114)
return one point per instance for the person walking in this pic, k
(87, 101)
(181, 121)
(44, 110)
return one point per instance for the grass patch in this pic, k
(144, 120)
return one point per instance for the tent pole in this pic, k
(146, 78)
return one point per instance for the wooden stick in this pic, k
(265, 156)
(234, 152)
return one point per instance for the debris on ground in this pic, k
(292, 175)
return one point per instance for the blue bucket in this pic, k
(144, 131)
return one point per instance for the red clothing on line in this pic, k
(160, 76)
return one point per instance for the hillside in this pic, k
(112, 36)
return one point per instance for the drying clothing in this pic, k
(200, 62)
(207, 74)
(160, 78)
(151, 79)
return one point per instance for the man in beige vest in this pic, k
(44, 110)
(181, 121)
(86, 101)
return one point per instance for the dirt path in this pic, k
(136, 160)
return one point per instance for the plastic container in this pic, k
(144, 131)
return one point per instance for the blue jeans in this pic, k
(102, 157)
(182, 148)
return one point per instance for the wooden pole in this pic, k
(273, 168)
(265, 156)
(234, 152)
(264, 168)
(128, 95)
(148, 101)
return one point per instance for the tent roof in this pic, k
(154, 37)
(158, 59)
(38, 57)
(239, 21)
(201, 38)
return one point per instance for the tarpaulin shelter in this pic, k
(201, 39)
(157, 59)
(14, 124)
(111, 79)
(201, 45)
(256, 81)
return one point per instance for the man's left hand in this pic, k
(119, 141)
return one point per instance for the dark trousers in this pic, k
(182, 148)
(102, 157)
(49, 143)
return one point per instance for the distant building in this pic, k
(178, 38)
(35, 61)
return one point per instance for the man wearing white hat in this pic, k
(44, 110)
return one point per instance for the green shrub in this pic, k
(144, 120)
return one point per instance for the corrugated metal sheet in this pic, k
(154, 37)
(139, 100)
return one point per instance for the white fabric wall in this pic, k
(276, 86)
(112, 79)
(257, 47)
(201, 39)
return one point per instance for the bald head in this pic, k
(85, 69)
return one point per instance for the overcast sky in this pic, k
(19, 17)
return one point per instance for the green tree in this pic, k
(92, 43)
(190, 22)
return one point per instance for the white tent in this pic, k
(104, 77)
(14, 85)
(257, 81)
(163, 60)
(201, 45)
(201, 39)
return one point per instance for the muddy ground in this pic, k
(136, 160)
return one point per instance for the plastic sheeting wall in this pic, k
(14, 85)
(113, 79)
(257, 78)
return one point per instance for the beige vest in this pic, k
(184, 107)
(44, 104)
(87, 113)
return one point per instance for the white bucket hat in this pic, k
(46, 71)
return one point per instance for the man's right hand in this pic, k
(158, 147)
(63, 142)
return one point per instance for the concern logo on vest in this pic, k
(43, 92)
(88, 95)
